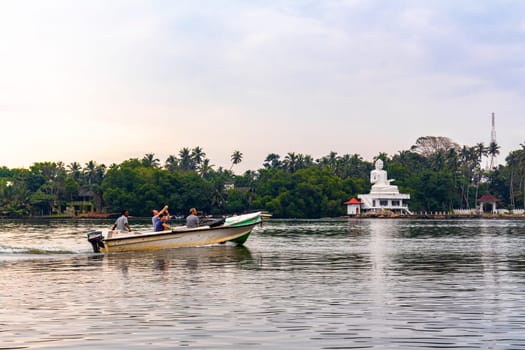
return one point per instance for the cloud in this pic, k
(129, 78)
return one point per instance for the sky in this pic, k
(113, 80)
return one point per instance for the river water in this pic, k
(325, 284)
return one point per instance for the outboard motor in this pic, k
(96, 239)
(217, 222)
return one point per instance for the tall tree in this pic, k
(236, 158)
(468, 162)
(171, 163)
(383, 156)
(49, 196)
(272, 160)
(150, 161)
(332, 159)
(428, 145)
(290, 161)
(198, 156)
(185, 159)
(452, 163)
(480, 151)
(93, 175)
(493, 151)
(513, 164)
(75, 170)
(205, 168)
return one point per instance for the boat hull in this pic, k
(236, 229)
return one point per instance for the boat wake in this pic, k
(7, 250)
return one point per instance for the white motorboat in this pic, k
(234, 229)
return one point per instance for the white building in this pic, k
(383, 195)
(353, 207)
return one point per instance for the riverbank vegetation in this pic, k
(439, 174)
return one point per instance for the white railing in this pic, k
(499, 211)
(465, 211)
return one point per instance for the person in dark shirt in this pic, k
(161, 224)
(156, 214)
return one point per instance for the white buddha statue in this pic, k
(379, 180)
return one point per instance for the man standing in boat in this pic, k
(122, 222)
(192, 220)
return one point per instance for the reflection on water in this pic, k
(332, 284)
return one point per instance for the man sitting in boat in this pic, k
(122, 222)
(161, 224)
(192, 220)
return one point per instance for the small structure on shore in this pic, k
(353, 207)
(383, 196)
(488, 199)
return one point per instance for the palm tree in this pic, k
(185, 159)
(300, 162)
(198, 155)
(75, 170)
(468, 164)
(90, 172)
(493, 151)
(481, 151)
(171, 163)
(332, 159)
(272, 161)
(236, 158)
(205, 167)
(290, 161)
(150, 161)
(93, 177)
(322, 162)
(513, 164)
(308, 161)
(452, 163)
(383, 156)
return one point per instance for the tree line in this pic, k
(439, 174)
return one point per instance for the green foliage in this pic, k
(306, 193)
(236, 201)
(141, 188)
(437, 173)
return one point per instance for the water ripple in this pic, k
(330, 284)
